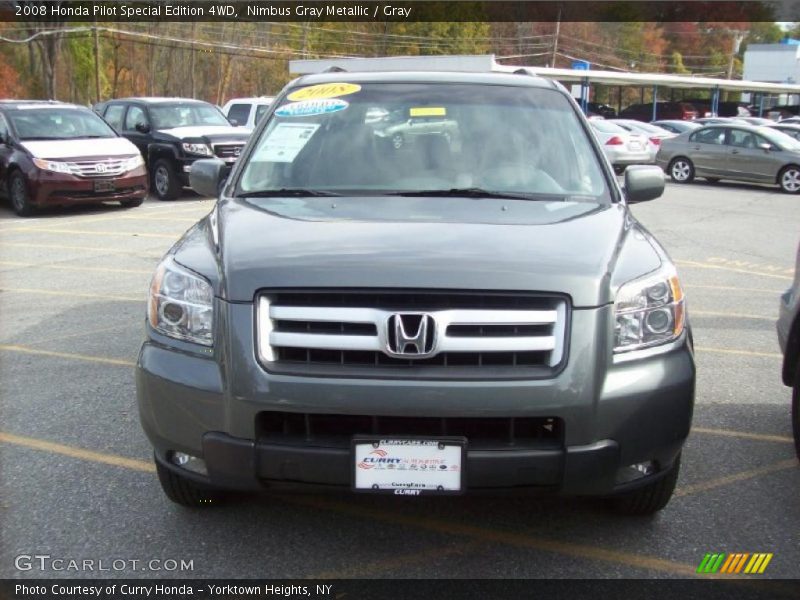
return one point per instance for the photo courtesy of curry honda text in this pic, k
(473, 309)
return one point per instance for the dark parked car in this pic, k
(596, 109)
(724, 109)
(449, 315)
(682, 111)
(57, 154)
(171, 134)
(789, 340)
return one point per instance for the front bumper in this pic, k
(52, 189)
(615, 413)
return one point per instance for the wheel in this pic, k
(165, 180)
(397, 140)
(681, 170)
(651, 498)
(131, 203)
(712, 179)
(796, 412)
(18, 194)
(184, 491)
(789, 179)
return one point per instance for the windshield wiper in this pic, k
(476, 192)
(300, 192)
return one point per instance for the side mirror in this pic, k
(643, 182)
(206, 176)
(143, 127)
(767, 147)
(233, 122)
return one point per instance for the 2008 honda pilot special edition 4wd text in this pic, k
(473, 309)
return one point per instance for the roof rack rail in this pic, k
(522, 71)
(335, 69)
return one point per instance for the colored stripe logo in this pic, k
(740, 562)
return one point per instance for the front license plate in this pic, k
(104, 186)
(409, 466)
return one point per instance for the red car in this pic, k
(57, 154)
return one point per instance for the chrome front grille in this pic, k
(100, 168)
(228, 151)
(322, 332)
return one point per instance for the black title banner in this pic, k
(387, 11)
(355, 589)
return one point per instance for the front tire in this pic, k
(19, 195)
(681, 170)
(651, 498)
(789, 179)
(184, 491)
(165, 180)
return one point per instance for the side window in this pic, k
(239, 113)
(261, 110)
(135, 115)
(3, 130)
(742, 139)
(709, 136)
(114, 114)
(759, 141)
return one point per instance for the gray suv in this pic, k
(789, 340)
(471, 311)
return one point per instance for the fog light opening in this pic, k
(636, 471)
(188, 462)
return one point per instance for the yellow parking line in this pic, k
(762, 437)
(131, 253)
(85, 332)
(105, 233)
(79, 453)
(493, 536)
(699, 265)
(60, 267)
(712, 484)
(738, 352)
(714, 313)
(731, 288)
(34, 291)
(69, 355)
(480, 534)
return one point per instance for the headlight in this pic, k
(201, 149)
(649, 311)
(56, 166)
(181, 304)
(132, 163)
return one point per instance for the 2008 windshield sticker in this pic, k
(312, 108)
(324, 90)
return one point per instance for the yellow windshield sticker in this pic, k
(325, 90)
(428, 111)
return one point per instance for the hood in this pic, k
(83, 148)
(560, 247)
(208, 132)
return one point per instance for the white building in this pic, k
(774, 63)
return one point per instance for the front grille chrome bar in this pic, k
(494, 327)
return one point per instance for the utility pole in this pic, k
(736, 42)
(96, 62)
(191, 63)
(555, 38)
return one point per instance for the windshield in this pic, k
(170, 116)
(57, 123)
(377, 139)
(779, 138)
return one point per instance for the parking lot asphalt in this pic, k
(76, 470)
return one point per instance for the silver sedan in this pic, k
(734, 151)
